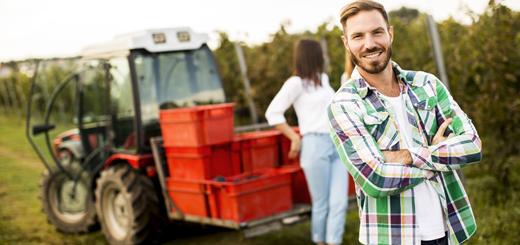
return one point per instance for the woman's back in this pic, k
(310, 103)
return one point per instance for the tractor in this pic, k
(111, 169)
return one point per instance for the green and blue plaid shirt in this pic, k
(362, 124)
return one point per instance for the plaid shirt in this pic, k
(362, 124)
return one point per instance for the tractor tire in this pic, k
(68, 211)
(66, 158)
(128, 206)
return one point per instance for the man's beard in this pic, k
(376, 66)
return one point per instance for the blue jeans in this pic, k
(440, 241)
(327, 179)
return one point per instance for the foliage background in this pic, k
(483, 65)
(482, 61)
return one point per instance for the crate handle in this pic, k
(258, 189)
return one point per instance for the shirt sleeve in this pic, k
(361, 155)
(325, 80)
(461, 150)
(289, 92)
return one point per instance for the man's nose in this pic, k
(370, 42)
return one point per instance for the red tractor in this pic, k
(114, 169)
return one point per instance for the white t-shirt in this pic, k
(428, 208)
(309, 102)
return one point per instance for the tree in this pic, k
(229, 69)
(483, 63)
(404, 14)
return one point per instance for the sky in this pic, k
(62, 28)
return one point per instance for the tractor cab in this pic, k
(114, 97)
(146, 72)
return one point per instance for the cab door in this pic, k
(124, 136)
(68, 113)
(67, 125)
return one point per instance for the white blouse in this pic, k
(309, 102)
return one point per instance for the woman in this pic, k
(309, 92)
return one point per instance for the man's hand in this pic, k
(439, 136)
(404, 157)
(400, 156)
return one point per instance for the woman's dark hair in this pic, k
(308, 61)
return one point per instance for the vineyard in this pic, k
(483, 67)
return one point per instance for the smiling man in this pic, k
(401, 136)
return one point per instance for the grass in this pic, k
(496, 207)
(22, 222)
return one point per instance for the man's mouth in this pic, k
(373, 55)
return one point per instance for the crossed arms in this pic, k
(404, 156)
(382, 173)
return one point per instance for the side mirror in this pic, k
(37, 129)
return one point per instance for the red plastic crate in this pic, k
(203, 163)
(259, 150)
(197, 126)
(236, 159)
(351, 185)
(190, 197)
(243, 198)
(300, 190)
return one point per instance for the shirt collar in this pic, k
(363, 87)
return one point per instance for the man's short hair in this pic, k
(354, 8)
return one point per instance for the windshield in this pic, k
(175, 80)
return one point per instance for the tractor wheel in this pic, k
(68, 210)
(128, 206)
(66, 158)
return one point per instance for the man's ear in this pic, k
(391, 33)
(345, 42)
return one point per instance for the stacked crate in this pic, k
(259, 150)
(217, 174)
(196, 140)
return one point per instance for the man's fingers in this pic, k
(443, 127)
(451, 135)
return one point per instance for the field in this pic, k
(497, 207)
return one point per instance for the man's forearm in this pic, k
(400, 156)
